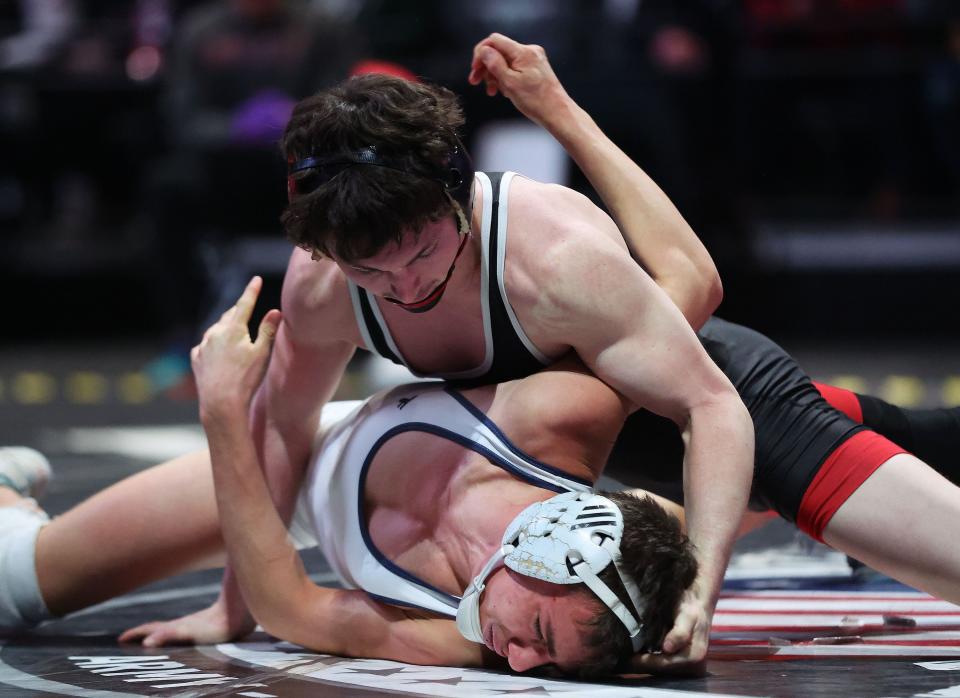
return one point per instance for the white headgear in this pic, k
(566, 539)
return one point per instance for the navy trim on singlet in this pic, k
(395, 602)
(486, 421)
(494, 458)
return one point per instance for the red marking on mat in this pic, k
(831, 596)
(811, 643)
(767, 626)
(848, 467)
(822, 612)
(821, 629)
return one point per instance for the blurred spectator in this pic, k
(942, 91)
(33, 31)
(828, 94)
(31, 34)
(237, 67)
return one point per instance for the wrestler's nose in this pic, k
(407, 288)
(521, 658)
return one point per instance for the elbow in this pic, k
(713, 292)
(709, 297)
(698, 292)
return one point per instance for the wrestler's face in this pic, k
(533, 623)
(409, 271)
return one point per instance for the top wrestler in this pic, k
(487, 279)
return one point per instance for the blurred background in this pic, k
(814, 145)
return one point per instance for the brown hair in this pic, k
(658, 556)
(365, 207)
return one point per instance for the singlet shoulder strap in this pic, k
(372, 332)
(507, 326)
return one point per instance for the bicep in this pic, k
(678, 263)
(310, 351)
(302, 376)
(626, 329)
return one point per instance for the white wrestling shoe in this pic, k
(24, 470)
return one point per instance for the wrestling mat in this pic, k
(793, 622)
(787, 638)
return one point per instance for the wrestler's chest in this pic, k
(442, 343)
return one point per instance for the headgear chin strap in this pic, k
(431, 299)
(566, 539)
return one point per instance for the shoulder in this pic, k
(316, 301)
(543, 210)
(557, 241)
(555, 231)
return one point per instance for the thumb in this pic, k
(268, 327)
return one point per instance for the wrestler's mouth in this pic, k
(424, 304)
(490, 640)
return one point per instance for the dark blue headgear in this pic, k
(455, 175)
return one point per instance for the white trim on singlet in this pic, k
(501, 257)
(358, 316)
(375, 307)
(485, 220)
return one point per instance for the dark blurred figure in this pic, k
(32, 34)
(942, 93)
(667, 68)
(829, 88)
(653, 73)
(32, 31)
(237, 68)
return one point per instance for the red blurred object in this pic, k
(376, 67)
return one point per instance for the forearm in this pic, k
(717, 474)
(653, 228)
(266, 565)
(284, 458)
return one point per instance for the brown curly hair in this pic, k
(364, 207)
(659, 557)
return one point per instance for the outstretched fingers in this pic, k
(248, 299)
(156, 634)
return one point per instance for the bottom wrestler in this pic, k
(410, 495)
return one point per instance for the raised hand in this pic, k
(522, 73)
(227, 364)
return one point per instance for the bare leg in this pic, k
(903, 522)
(157, 523)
